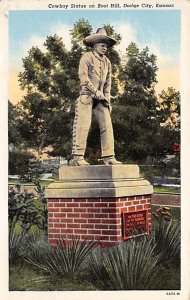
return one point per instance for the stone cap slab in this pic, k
(98, 172)
(98, 181)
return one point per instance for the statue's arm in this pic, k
(107, 85)
(83, 75)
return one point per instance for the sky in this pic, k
(158, 29)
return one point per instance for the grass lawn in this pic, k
(24, 277)
(167, 189)
(19, 181)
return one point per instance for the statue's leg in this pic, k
(81, 125)
(103, 117)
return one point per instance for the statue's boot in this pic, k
(78, 160)
(111, 160)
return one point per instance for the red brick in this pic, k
(146, 206)
(109, 210)
(52, 200)
(59, 204)
(72, 204)
(65, 200)
(73, 215)
(135, 202)
(115, 226)
(87, 226)
(143, 201)
(50, 205)
(51, 209)
(80, 220)
(101, 204)
(113, 204)
(139, 197)
(73, 225)
(119, 204)
(109, 221)
(131, 208)
(100, 216)
(80, 231)
(108, 200)
(66, 209)
(127, 203)
(80, 210)
(93, 231)
(130, 198)
(70, 236)
(93, 200)
(66, 220)
(139, 207)
(86, 205)
(87, 237)
(115, 216)
(93, 210)
(94, 221)
(59, 225)
(50, 215)
(50, 225)
(53, 241)
(88, 216)
(101, 226)
(110, 232)
(68, 230)
(59, 215)
(80, 200)
(53, 220)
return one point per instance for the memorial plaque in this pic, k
(134, 223)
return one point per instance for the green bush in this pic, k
(167, 236)
(15, 246)
(130, 266)
(66, 260)
(19, 162)
(23, 210)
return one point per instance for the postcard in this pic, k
(98, 90)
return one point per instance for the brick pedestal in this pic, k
(88, 213)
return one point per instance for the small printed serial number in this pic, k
(172, 293)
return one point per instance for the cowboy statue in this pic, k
(95, 80)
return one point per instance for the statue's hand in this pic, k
(100, 95)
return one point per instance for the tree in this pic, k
(13, 125)
(135, 112)
(170, 108)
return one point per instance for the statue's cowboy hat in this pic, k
(99, 37)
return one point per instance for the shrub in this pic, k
(19, 162)
(15, 246)
(166, 236)
(65, 260)
(23, 210)
(167, 241)
(129, 266)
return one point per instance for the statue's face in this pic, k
(100, 48)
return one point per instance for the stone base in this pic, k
(98, 202)
(98, 181)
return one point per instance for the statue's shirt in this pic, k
(95, 74)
